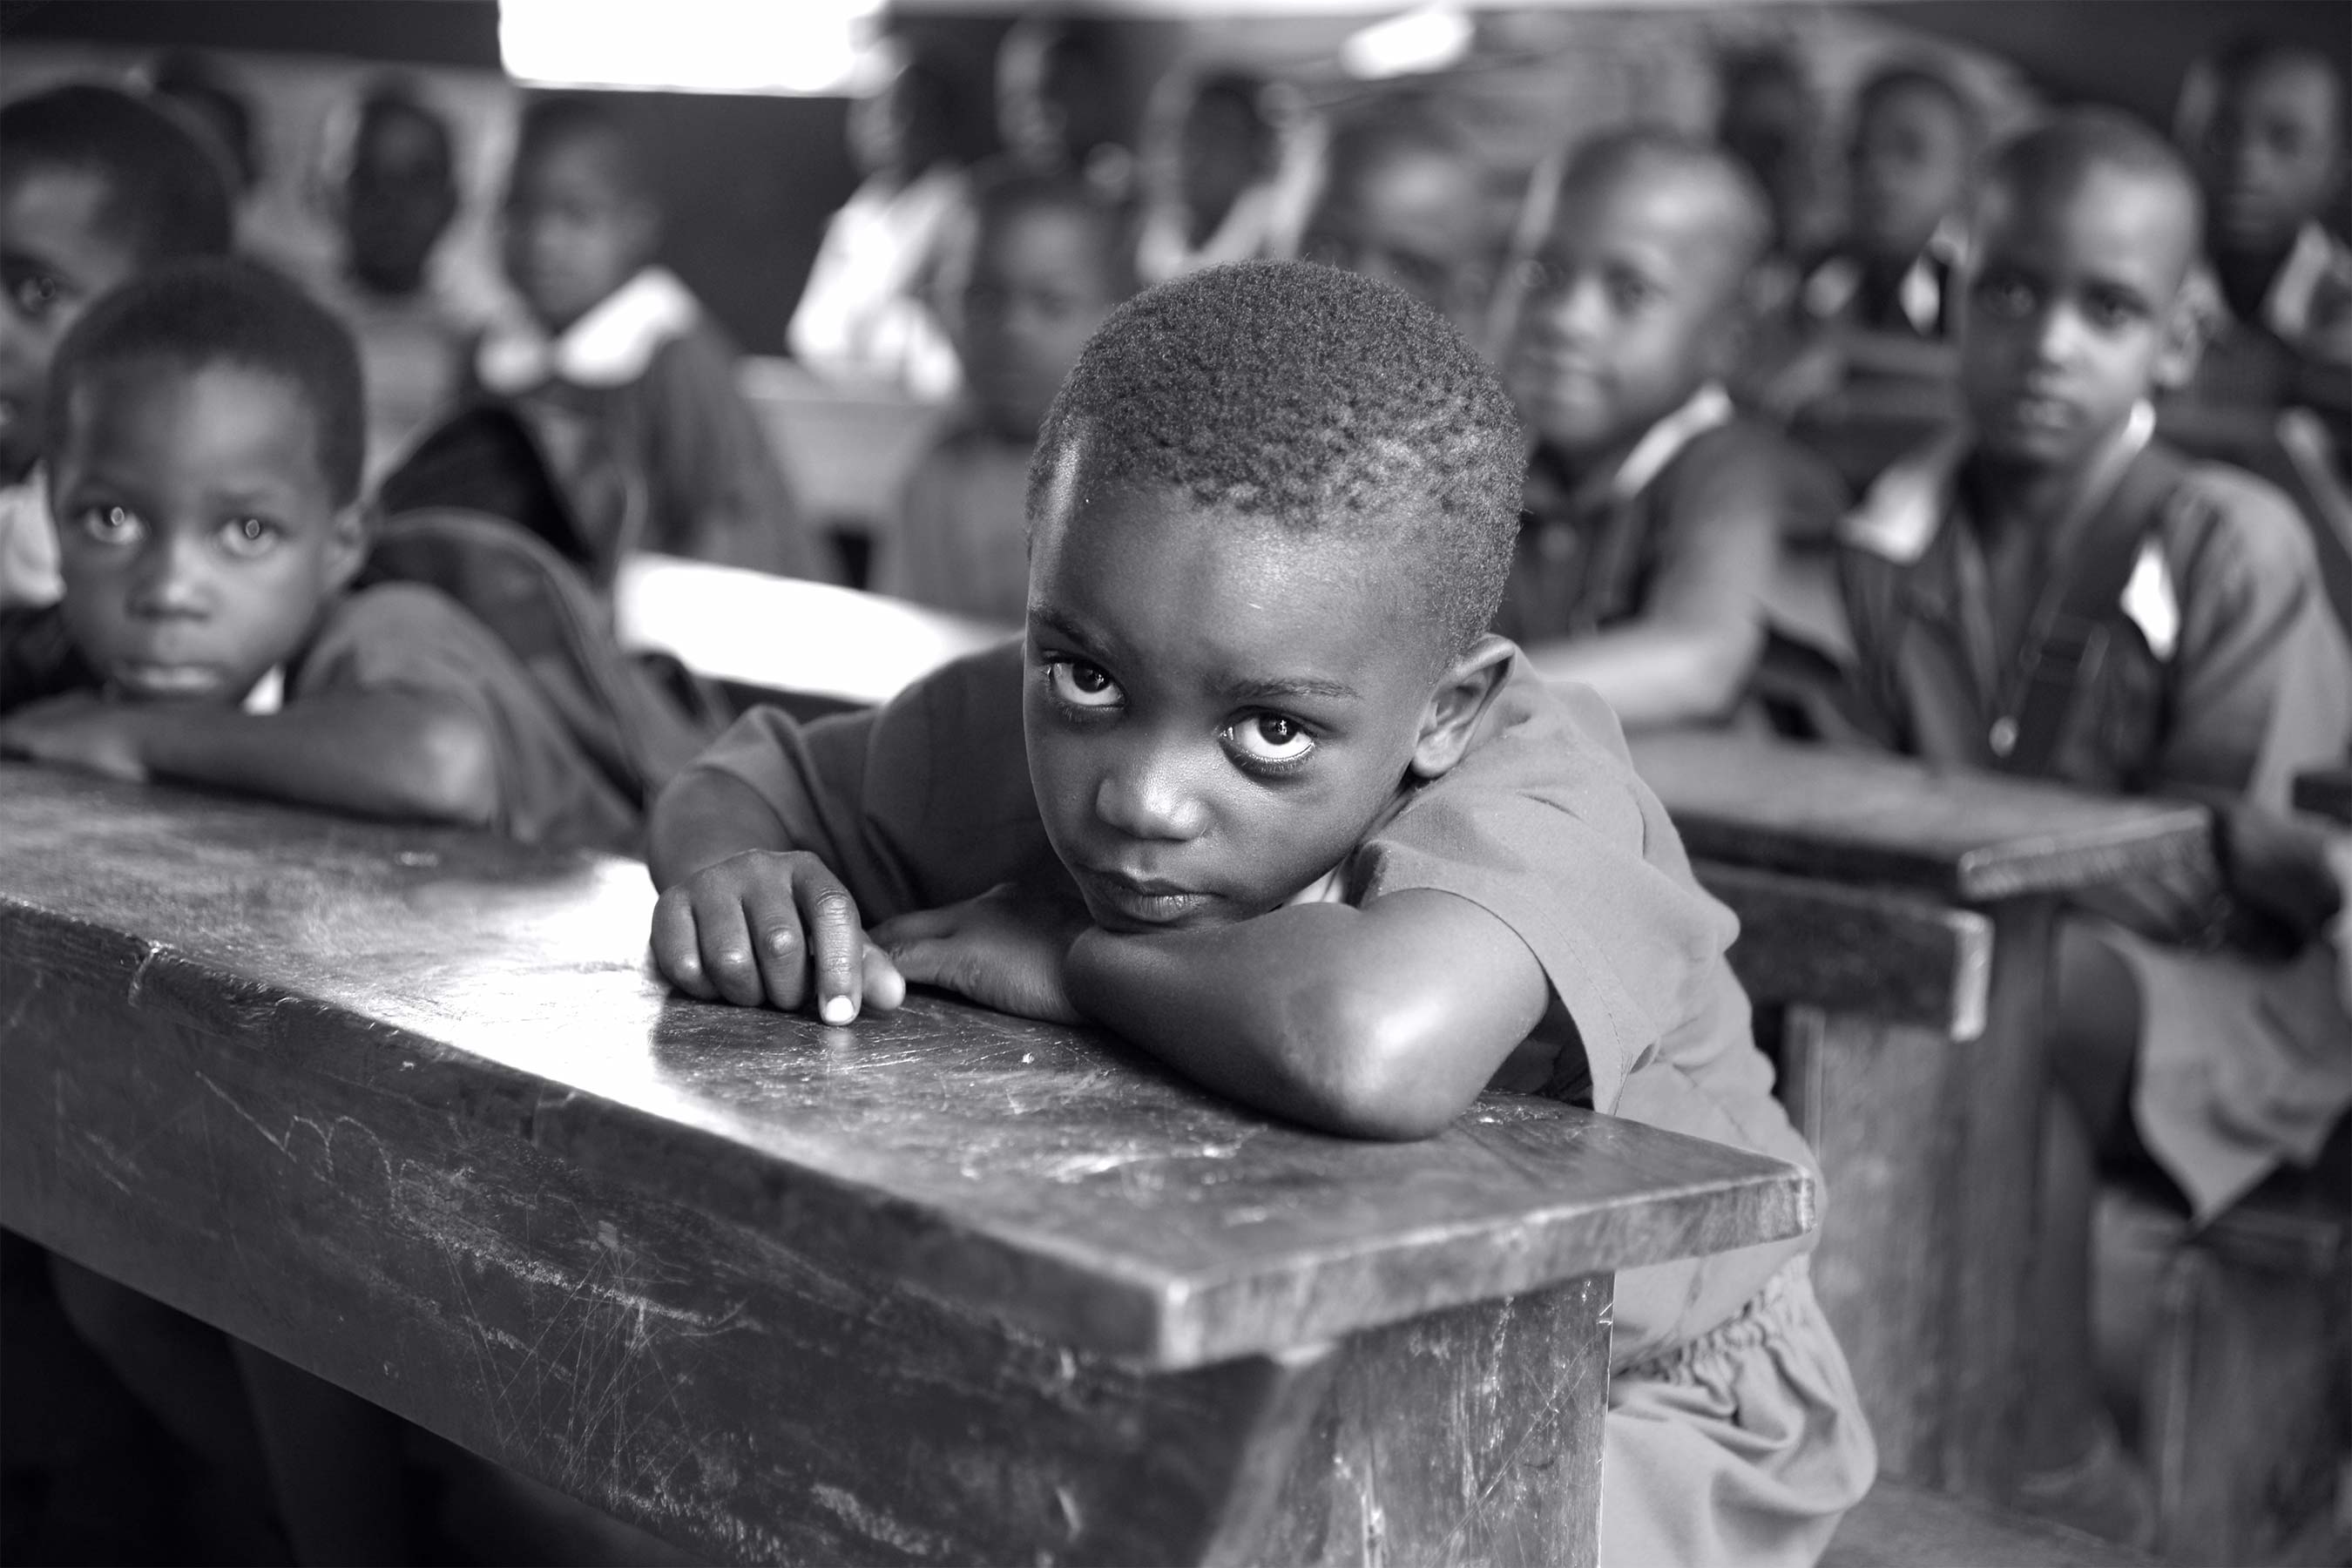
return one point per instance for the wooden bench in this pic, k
(404, 1107)
(1924, 1105)
(1899, 1526)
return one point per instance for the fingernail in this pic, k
(838, 1010)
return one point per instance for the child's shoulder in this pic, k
(1748, 458)
(373, 635)
(2232, 520)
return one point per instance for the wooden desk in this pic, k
(403, 1106)
(1924, 1103)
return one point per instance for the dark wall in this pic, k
(418, 32)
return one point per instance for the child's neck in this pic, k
(2247, 276)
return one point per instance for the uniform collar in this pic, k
(269, 693)
(610, 347)
(2286, 309)
(1709, 407)
(1905, 507)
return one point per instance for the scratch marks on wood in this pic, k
(876, 1525)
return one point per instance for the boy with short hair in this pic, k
(1050, 257)
(620, 355)
(1655, 511)
(97, 186)
(1290, 819)
(1912, 155)
(1403, 201)
(205, 429)
(2271, 160)
(2052, 593)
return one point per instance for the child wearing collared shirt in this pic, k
(1258, 791)
(1655, 511)
(2057, 594)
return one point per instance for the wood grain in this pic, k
(1864, 817)
(1893, 957)
(1054, 1181)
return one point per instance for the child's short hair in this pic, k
(1011, 193)
(1317, 399)
(198, 314)
(1366, 142)
(1653, 151)
(1918, 76)
(548, 121)
(2250, 52)
(166, 196)
(2062, 151)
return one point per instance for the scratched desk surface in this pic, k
(1855, 815)
(1052, 1180)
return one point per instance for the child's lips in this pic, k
(1138, 904)
(142, 678)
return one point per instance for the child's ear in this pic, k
(2187, 323)
(1463, 695)
(348, 536)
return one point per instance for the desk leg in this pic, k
(1931, 1154)
(1470, 1435)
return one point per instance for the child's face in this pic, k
(1216, 710)
(574, 233)
(1036, 294)
(2073, 312)
(1910, 170)
(2271, 155)
(1414, 219)
(1631, 308)
(198, 537)
(55, 256)
(398, 201)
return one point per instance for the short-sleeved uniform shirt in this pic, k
(405, 638)
(1689, 525)
(1544, 824)
(960, 540)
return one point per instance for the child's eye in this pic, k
(2110, 312)
(249, 536)
(1078, 684)
(112, 525)
(1269, 740)
(1628, 293)
(2005, 297)
(33, 294)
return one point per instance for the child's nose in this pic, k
(1148, 799)
(169, 580)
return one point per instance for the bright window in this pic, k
(686, 46)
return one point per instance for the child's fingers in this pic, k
(836, 939)
(885, 988)
(678, 950)
(724, 940)
(779, 948)
(914, 926)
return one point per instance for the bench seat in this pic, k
(1899, 1526)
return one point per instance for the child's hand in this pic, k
(1006, 948)
(80, 730)
(772, 927)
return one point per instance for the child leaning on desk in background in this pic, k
(97, 187)
(619, 367)
(1655, 509)
(1291, 819)
(2055, 594)
(1050, 259)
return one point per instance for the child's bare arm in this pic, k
(1659, 671)
(401, 755)
(1379, 1022)
(747, 919)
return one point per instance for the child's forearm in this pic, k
(1654, 673)
(388, 754)
(702, 817)
(1382, 1022)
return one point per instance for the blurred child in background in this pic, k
(620, 354)
(1050, 259)
(869, 315)
(1654, 510)
(1914, 153)
(1217, 197)
(1403, 201)
(2271, 158)
(96, 187)
(2053, 594)
(1059, 108)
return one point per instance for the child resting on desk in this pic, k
(1289, 818)
(206, 429)
(1050, 257)
(2057, 595)
(1655, 509)
(97, 187)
